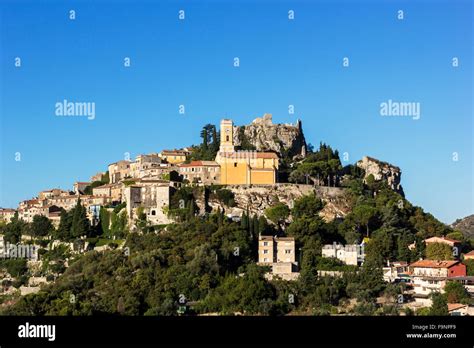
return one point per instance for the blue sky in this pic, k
(282, 62)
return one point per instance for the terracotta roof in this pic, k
(290, 239)
(454, 306)
(200, 164)
(471, 253)
(434, 239)
(434, 264)
(173, 152)
(265, 237)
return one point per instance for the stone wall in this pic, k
(258, 198)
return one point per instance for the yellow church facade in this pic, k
(244, 167)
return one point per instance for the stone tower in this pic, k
(227, 136)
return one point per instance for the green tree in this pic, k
(80, 223)
(455, 292)
(278, 213)
(104, 218)
(439, 306)
(13, 231)
(63, 232)
(469, 267)
(307, 207)
(439, 251)
(364, 216)
(41, 226)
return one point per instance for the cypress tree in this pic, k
(80, 223)
(191, 209)
(65, 224)
(255, 224)
(104, 217)
(219, 217)
(262, 225)
(214, 138)
(244, 222)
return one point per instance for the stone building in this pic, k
(52, 193)
(97, 177)
(153, 196)
(244, 167)
(174, 156)
(150, 166)
(280, 254)
(201, 172)
(6, 214)
(431, 276)
(351, 254)
(111, 191)
(119, 171)
(79, 187)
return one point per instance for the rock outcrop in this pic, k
(382, 171)
(465, 225)
(258, 198)
(264, 135)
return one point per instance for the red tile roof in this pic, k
(454, 306)
(434, 264)
(199, 164)
(434, 239)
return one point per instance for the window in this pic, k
(265, 251)
(235, 164)
(153, 212)
(226, 138)
(265, 260)
(287, 251)
(265, 243)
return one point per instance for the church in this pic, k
(243, 167)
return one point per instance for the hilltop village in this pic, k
(270, 200)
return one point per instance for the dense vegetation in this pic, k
(206, 262)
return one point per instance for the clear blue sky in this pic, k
(282, 62)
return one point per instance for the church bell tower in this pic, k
(227, 136)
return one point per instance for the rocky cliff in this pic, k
(258, 198)
(382, 171)
(264, 135)
(465, 225)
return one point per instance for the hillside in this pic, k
(465, 225)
